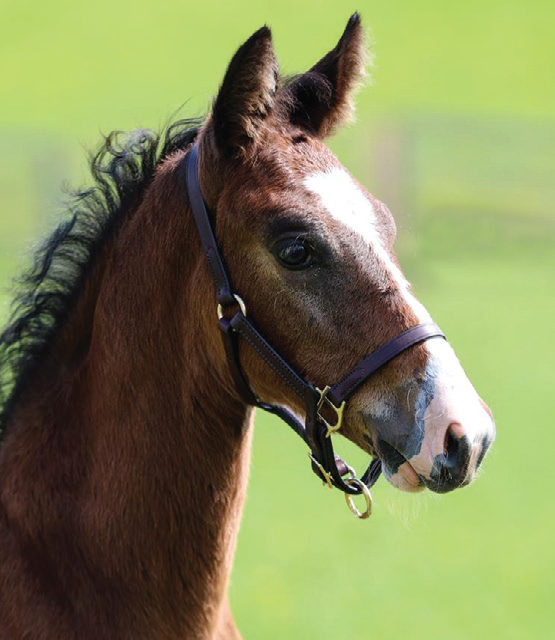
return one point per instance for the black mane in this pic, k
(121, 170)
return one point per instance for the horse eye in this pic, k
(294, 253)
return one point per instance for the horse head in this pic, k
(312, 255)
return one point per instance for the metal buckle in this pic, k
(365, 491)
(324, 473)
(331, 428)
(240, 304)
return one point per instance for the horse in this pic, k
(126, 434)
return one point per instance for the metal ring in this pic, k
(239, 302)
(365, 491)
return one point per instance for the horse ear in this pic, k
(322, 99)
(247, 94)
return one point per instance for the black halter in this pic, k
(324, 408)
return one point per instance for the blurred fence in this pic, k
(464, 184)
(454, 183)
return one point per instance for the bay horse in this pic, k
(126, 437)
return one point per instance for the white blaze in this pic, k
(347, 204)
(455, 399)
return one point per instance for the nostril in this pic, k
(450, 468)
(451, 448)
(456, 429)
(456, 450)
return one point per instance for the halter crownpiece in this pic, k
(324, 407)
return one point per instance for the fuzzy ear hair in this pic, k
(322, 99)
(247, 94)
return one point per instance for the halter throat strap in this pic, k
(323, 408)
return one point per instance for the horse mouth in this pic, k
(404, 477)
(400, 473)
(397, 470)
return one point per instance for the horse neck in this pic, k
(142, 438)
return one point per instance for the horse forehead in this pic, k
(283, 163)
(346, 201)
(276, 180)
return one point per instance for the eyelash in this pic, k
(290, 243)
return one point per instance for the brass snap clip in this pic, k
(324, 400)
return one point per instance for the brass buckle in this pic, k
(324, 473)
(331, 428)
(239, 303)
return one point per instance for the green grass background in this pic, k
(463, 105)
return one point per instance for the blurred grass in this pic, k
(463, 107)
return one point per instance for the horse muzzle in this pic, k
(436, 432)
(454, 468)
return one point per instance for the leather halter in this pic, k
(324, 408)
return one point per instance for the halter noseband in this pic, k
(324, 407)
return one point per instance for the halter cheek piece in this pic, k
(324, 407)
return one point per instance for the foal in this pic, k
(126, 444)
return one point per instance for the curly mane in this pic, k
(45, 294)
